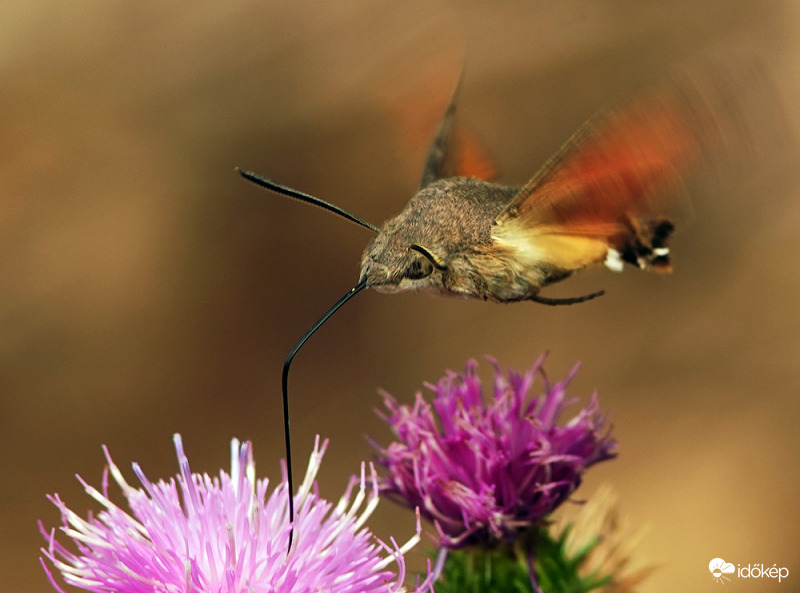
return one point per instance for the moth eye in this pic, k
(419, 268)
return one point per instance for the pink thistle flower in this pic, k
(197, 534)
(488, 469)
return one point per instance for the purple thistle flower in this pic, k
(487, 469)
(197, 534)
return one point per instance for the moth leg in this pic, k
(565, 301)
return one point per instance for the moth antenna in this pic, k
(303, 197)
(567, 301)
(285, 391)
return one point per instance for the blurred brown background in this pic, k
(145, 289)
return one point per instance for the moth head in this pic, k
(391, 268)
(422, 247)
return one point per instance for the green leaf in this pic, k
(505, 569)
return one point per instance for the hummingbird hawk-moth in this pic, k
(600, 199)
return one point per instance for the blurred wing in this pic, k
(602, 196)
(456, 152)
(617, 166)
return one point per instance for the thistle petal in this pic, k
(195, 534)
(487, 468)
